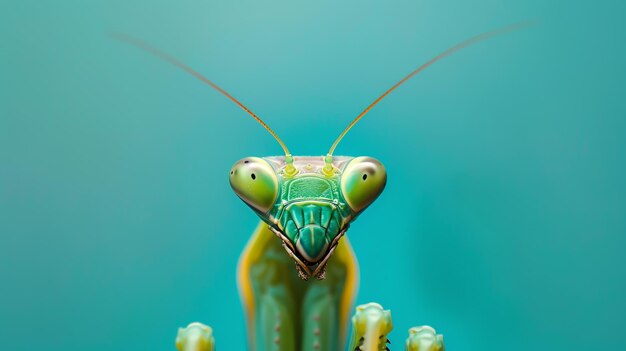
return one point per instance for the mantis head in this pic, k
(309, 202)
(307, 207)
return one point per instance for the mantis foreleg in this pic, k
(195, 337)
(283, 311)
(370, 326)
(424, 338)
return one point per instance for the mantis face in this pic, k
(308, 208)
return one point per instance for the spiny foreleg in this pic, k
(370, 326)
(424, 338)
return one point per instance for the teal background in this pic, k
(502, 224)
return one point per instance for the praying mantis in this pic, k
(298, 274)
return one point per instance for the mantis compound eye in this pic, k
(255, 182)
(362, 180)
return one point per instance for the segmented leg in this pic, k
(424, 338)
(268, 287)
(195, 337)
(327, 303)
(320, 320)
(370, 326)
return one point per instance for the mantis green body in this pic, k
(298, 275)
(304, 218)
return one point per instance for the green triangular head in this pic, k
(307, 206)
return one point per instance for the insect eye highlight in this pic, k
(362, 181)
(253, 179)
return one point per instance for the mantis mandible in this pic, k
(306, 205)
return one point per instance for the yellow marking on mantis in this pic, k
(360, 180)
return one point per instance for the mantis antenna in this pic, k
(448, 52)
(169, 58)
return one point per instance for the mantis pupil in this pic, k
(253, 176)
(364, 176)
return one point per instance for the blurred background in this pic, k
(502, 224)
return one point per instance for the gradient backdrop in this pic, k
(502, 225)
